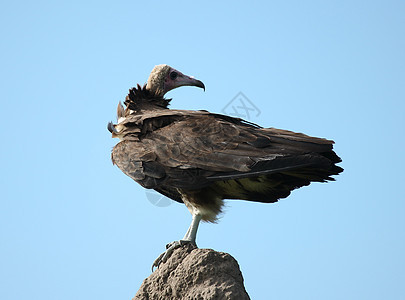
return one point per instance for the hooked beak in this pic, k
(184, 80)
(177, 79)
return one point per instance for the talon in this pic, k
(158, 261)
(169, 250)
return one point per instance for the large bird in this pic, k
(200, 158)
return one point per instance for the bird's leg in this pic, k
(189, 238)
(191, 233)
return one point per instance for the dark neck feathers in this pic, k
(139, 98)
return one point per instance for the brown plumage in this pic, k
(201, 158)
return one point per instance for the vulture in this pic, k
(200, 158)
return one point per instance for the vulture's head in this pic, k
(164, 78)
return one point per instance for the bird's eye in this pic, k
(173, 75)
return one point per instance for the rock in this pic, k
(192, 273)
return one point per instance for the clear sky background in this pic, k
(73, 226)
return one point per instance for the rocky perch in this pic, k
(192, 273)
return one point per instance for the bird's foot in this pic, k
(169, 250)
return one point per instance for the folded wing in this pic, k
(227, 156)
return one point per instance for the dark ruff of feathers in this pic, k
(203, 157)
(140, 98)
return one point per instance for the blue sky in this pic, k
(72, 226)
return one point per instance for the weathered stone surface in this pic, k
(192, 273)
